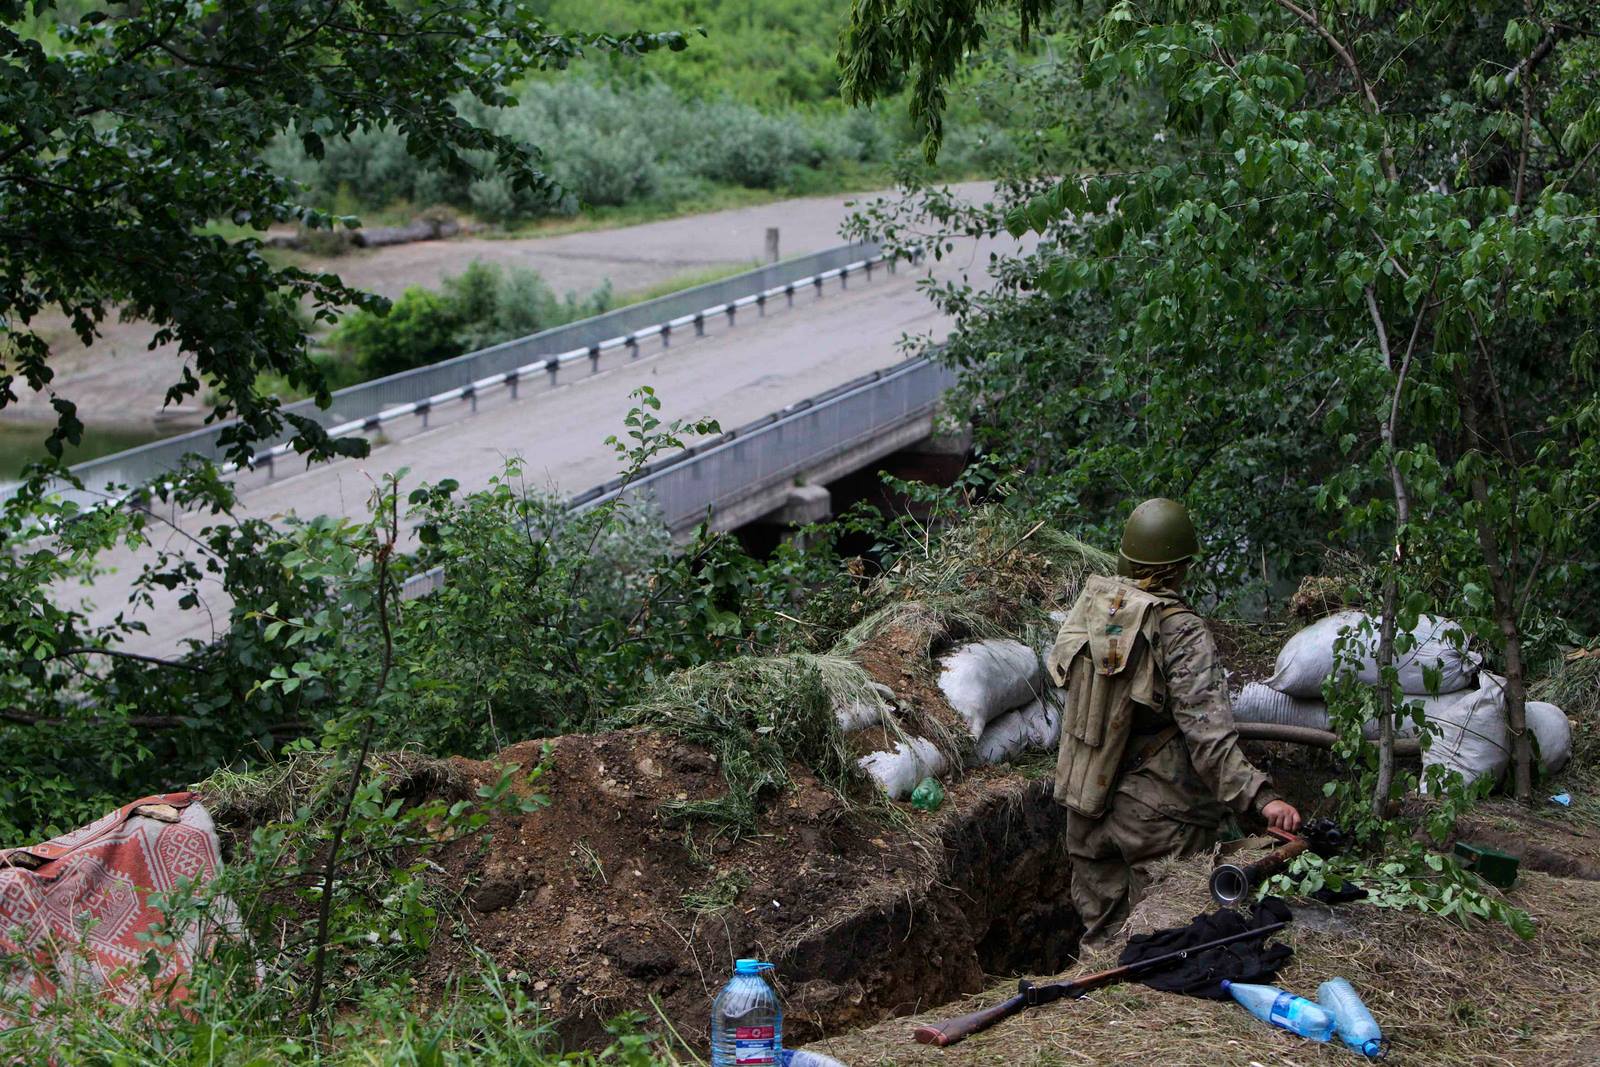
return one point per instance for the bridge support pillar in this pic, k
(936, 459)
(804, 505)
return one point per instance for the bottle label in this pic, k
(754, 1045)
(1282, 1010)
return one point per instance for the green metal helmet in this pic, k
(1159, 532)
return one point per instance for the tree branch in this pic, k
(62, 653)
(1528, 62)
(1348, 58)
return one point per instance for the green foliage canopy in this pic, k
(1376, 236)
(150, 120)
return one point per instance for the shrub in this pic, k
(420, 328)
(485, 305)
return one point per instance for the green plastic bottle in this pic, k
(928, 795)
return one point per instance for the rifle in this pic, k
(1031, 996)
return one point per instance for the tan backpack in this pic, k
(1103, 657)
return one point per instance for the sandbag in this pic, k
(1307, 659)
(1043, 717)
(864, 709)
(1553, 733)
(986, 679)
(1003, 739)
(1035, 725)
(1472, 734)
(1262, 703)
(897, 773)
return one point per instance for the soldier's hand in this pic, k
(1281, 815)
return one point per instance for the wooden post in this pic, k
(772, 244)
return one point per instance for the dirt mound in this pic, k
(601, 902)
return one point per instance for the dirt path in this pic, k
(121, 381)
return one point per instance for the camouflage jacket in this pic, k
(1201, 774)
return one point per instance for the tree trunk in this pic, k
(1502, 591)
(1380, 792)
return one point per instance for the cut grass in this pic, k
(998, 574)
(1443, 994)
(719, 895)
(757, 714)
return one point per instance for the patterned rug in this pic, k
(73, 909)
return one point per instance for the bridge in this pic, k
(797, 357)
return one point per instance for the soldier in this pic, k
(1150, 763)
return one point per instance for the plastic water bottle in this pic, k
(746, 1020)
(792, 1058)
(1350, 1017)
(1273, 1005)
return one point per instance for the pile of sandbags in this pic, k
(1465, 712)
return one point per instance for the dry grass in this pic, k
(1573, 685)
(239, 801)
(1443, 994)
(997, 574)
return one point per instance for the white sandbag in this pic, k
(1307, 659)
(1472, 734)
(986, 679)
(1262, 703)
(898, 772)
(1553, 733)
(1043, 718)
(1003, 739)
(1035, 725)
(864, 709)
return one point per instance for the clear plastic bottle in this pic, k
(1273, 1005)
(1351, 1018)
(746, 1020)
(793, 1058)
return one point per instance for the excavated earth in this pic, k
(599, 903)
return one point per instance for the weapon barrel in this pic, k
(1231, 883)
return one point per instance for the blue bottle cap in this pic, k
(750, 967)
(1373, 1049)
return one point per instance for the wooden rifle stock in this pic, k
(1029, 995)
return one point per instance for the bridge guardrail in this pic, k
(769, 451)
(535, 360)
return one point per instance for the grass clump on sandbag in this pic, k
(997, 574)
(757, 714)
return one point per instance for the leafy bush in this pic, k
(606, 144)
(418, 329)
(484, 305)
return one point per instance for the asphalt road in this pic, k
(734, 374)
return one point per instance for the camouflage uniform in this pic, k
(1183, 772)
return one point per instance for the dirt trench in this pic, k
(999, 905)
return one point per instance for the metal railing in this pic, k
(535, 362)
(693, 484)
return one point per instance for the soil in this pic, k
(599, 903)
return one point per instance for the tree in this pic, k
(1387, 207)
(126, 130)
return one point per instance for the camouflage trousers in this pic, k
(1112, 858)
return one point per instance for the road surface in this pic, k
(121, 381)
(734, 374)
